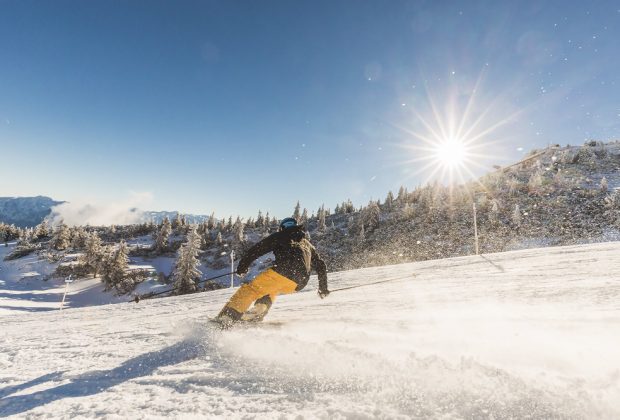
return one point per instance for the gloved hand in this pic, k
(241, 271)
(323, 293)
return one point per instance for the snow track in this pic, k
(525, 333)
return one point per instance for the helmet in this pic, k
(289, 222)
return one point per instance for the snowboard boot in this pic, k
(258, 312)
(227, 317)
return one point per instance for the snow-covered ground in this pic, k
(531, 333)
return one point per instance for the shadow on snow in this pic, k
(96, 381)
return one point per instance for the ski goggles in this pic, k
(287, 223)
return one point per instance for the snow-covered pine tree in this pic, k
(267, 220)
(62, 238)
(186, 273)
(372, 215)
(303, 219)
(42, 230)
(116, 265)
(322, 225)
(494, 213)
(362, 235)
(211, 221)
(401, 195)
(297, 211)
(161, 241)
(94, 253)
(177, 222)
(238, 229)
(407, 211)
(604, 185)
(389, 201)
(218, 238)
(78, 237)
(260, 220)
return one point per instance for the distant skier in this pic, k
(295, 259)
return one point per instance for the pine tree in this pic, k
(186, 273)
(94, 255)
(61, 238)
(322, 225)
(372, 215)
(304, 217)
(407, 211)
(78, 237)
(211, 221)
(238, 229)
(389, 201)
(219, 239)
(177, 222)
(401, 195)
(42, 230)
(260, 220)
(161, 241)
(362, 235)
(115, 266)
(604, 185)
(296, 212)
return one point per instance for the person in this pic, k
(295, 257)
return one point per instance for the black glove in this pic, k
(241, 271)
(323, 293)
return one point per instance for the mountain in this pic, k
(522, 334)
(25, 211)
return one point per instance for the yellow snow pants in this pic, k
(266, 283)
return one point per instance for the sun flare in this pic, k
(451, 153)
(450, 137)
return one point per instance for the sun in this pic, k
(450, 136)
(451, 153)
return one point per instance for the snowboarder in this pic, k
(295, 257)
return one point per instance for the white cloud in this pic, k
(81, 212)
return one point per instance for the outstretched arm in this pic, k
(258, 249)
(321, 270)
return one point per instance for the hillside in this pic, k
(520, 334)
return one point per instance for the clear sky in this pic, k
(234, 106)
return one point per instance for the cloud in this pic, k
(123, 212)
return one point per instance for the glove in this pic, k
(241, 271)
(323, 293)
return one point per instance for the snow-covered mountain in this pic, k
(25, 211)
(521, 334)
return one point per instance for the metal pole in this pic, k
(232, 268)
(67, 281)
(476, 228)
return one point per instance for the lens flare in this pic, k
(450, 135)
(451, 153)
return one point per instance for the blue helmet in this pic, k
(289, 222)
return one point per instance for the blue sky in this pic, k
(235, 106)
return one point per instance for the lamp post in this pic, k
(67, 281)
(476, 229)
(232, 267)
(476, 240)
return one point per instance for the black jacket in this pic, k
(295, 256)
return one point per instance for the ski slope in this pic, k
(530, 333)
